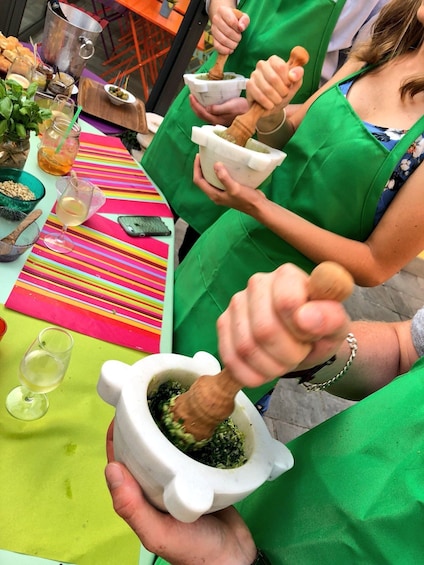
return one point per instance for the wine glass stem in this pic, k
(28, 395)
(62, 233)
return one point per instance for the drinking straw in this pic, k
(117, 77)
(34, 47)
(68, 129)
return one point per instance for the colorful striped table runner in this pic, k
(107, 163)
(110, 286)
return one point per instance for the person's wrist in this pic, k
(270, 124)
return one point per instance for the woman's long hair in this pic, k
(396, 31)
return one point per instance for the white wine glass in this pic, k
(72, 209)
(41, 370)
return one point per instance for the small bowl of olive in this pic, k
(118, 95)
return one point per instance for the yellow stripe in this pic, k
(129, 297)
(86, 280)
(88, 308)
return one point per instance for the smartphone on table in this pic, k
(144, 226)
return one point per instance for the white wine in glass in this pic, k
(41, 370)
(72, 209)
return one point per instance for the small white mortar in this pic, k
(214, 91)
(171, 480)
(249, 165)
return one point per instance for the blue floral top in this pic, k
(406, 166)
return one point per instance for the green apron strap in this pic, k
(327, 32)
(277, 30)
(401, 147)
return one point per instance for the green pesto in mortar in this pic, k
(224, 450)
(250, 144)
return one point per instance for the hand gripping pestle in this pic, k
(217, 71)
(210, 399)
(244, 126)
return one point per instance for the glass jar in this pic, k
(59, 147)
(21, 71)
(43, 74)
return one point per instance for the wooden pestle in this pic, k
(13, 236)
(217, 71)
(210, 399)
(244, 126)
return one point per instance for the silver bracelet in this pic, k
(353, 344)
(417, 332)
(261, 559)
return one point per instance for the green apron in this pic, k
(333, 176)
(355, 494)
(275, 28)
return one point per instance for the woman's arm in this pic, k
(270, 329)
(385, 350)
(396, 240)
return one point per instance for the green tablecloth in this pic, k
(54, 499)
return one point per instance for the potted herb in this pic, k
(19, 115)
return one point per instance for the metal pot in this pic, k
(68, 44)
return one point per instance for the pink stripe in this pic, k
(113, 331)
(108, 272)
(136, 313)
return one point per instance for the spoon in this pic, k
(244, 126)
(13, 236)
(217, 71)
(210, 400)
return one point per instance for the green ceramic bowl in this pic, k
(27, 179)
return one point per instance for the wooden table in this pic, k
(149, 40)
(51, 475)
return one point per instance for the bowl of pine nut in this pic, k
(20, 190)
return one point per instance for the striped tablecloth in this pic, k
(111, 286)
(107, 163)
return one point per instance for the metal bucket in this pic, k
(68, 44)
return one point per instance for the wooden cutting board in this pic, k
(94, 101)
